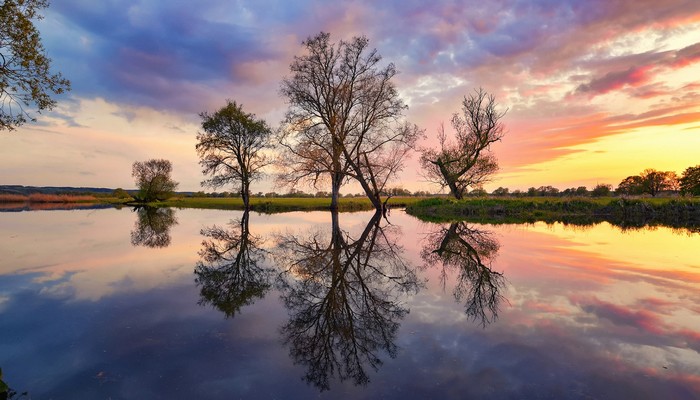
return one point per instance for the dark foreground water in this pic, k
(202, 304)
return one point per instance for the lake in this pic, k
(208, 304)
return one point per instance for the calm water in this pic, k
(204, 304)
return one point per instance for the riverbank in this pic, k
(281, 204)
(619, 211)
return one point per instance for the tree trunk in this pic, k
(245, 195)
(336, 181)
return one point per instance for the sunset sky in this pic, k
(595, 90)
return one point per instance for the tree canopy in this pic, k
(25, 77)
(690, 181)
(153, 180)
(231, 148)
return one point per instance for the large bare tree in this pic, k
(231, 148)
(466, 160)
(344, 119)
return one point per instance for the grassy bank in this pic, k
(620, 211)
(280, 204)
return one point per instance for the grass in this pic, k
(280, 204)
(46, 198)
(621, 211)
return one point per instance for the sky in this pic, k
(595, 90)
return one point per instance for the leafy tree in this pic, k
(25, 76)
(344, 119)
(690, 181)
(121, 193)
(467, 160)
(631, 185)
(153, 180)
(654, 181)
(601, 190)
(231, 148)
(501, 191)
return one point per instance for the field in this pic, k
(281, 204)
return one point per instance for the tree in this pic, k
(231, 148)
(631, 185)
(466, 161)
(25, 76)
(153, 180)
(344, 119)
(690, 181)
(654, 181)
(601, 190)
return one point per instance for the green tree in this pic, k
(466, 160)
(231, 148)
(690, 181)
(153, 180)
(25, 76)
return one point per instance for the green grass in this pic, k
(671, 211)
(280, 204)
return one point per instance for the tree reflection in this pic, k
(152, 228)
(231, 272)
(343, 297)
(468, 251)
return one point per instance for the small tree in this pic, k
(153, 180)
(690, 181)
(601, 190)
(24, 67)
(631, 185)
(231, 148)
(466, 161)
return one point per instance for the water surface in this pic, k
(215, 304)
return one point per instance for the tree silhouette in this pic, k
(343, 297)
(231, 273)
(469, 252)
(152, 228)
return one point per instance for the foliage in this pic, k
(120, 193)
(467, 160)
(153, 180)
(25, 76)
(284, 204)
(649, 181)
(690, 181)
(231, 148)
(601, 190)
(344, 119)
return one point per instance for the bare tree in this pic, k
(231, 148)
(344, 118)
(153, 179)
(466, 161)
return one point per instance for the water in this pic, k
(217, 305)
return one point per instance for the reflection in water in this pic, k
(343, 297)
(152, 228)
(470, 252)
(231, 272)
